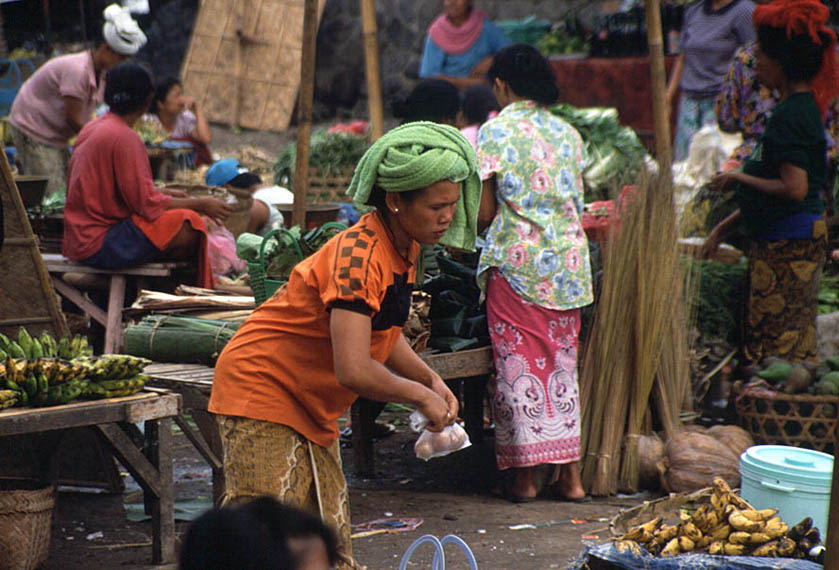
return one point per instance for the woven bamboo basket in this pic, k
(329, 187)
(797, 420)
(239, 199)
(25, 521)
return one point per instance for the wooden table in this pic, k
(115, 419)
(468, 369)
(111, 318)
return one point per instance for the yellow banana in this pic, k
(786, 546)
(704, 542)
(721, 532)
(740, 522)
(759, 516)
(686, 544)
(759, 538)
(739, 537)
(671, 548)
(717, 548)
(666, 533)
(769, 549)
(734, 549)
(630, 545)
(691, 531)
(774, 527)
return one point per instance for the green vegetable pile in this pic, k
(615, 154)
(52, 203)
(330, 152)
(806, 377)
(559, 42)
(295, 245)
(828, 294)
(719, 298)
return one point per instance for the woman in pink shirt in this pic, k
(181, 118)
(54, 104)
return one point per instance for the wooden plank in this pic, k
(159, 453)
(25, 321)
(76, 297)
(139, 407)
(58, 267)
(199, 443)
(58, 260)
(464, 364)
(113, 329)
(131, 457)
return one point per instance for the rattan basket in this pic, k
(331, 186)
(797, 420)
(25, 521)
(239, 199)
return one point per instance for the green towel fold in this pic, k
(417, 155)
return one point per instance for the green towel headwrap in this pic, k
(417, 155)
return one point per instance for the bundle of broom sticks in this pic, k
(636, 358)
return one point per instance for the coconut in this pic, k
(736, 438)
(694, 459)
(650, 452)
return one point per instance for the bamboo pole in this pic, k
(832, 540)
(661, 114)
(304, 112)
(371, 65)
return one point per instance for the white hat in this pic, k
(121, 31)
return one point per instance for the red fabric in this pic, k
(165, 227)
(109, 179)
(455, 40)
(806, 17)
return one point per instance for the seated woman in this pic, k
(477, 106)
(114, 217)
(460, 45)
(180, 118)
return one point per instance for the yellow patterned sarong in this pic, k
(264, 458)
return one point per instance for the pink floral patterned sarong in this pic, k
(536, 406)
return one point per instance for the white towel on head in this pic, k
(121, 31)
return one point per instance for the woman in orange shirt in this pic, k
(334, 332)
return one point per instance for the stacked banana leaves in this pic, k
(458, 318)
(177, 338)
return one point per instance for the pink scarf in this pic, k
(455, 40)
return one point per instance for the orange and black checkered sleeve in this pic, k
(355, 280)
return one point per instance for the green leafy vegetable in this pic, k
(329, 152)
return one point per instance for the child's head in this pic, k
(478, 102)
(260, 534)
(434, 100)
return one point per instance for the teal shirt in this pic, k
(794, 134)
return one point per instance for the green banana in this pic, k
(4, 341)
(15, 350)
(64, 348)
(36, 349)
(12, 385)
(3, 354)
(25, 342)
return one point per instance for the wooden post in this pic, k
(304, 112)
(371, 65)
(831, 542)
(661, 114)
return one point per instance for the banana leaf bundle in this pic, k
(176, 338)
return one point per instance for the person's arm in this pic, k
(213, 208)
(73, 110)
(792, 184)
(405, 362)
(720, 232)
(201, 132)
(488, 206)
(675, 78)
(480, 70)
(356, 370)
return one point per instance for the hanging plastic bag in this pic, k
(432, 444)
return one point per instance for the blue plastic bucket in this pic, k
(793, 480)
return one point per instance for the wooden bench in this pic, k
(111, 318)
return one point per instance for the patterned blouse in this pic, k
(536, 239)
(743, 105)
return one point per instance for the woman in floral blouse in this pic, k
(534, 271)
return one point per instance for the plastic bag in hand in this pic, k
(432, 444)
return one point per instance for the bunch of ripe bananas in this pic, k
(43, 346)
(727, 526)
(53, 381)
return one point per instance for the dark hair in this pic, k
(127, 88)
(798, 55)
(478, 102)
(378, 197)
(161, 90)
(434, 100)
(252, 536)
(245, 180)
(527, 72)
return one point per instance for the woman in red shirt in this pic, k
(114, 216)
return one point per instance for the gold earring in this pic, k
(396, 210)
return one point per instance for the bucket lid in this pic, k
(789, 464)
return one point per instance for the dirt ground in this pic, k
(451, 495)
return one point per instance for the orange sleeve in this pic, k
(352, 273)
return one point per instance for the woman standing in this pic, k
(534, 271)
(460, 45)
(334, 332)
(712, 32)
(778, 187)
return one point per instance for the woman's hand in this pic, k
(436, 410)
(711, 245)
(190, 104)
(441, 389)
(722, 181)
(215, 209)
